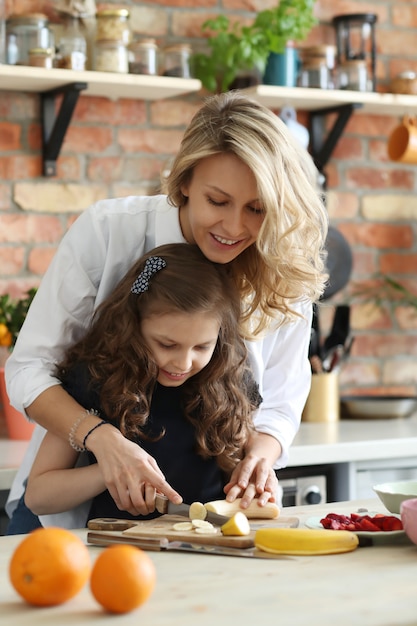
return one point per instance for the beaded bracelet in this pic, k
(74, 428)
(92, 429)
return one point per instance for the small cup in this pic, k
(408, 510)
(323, 402)
(402, 143)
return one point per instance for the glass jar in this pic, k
(353, 75)
(41, 57)
(24, 33)
(113, 25)
(111, 56)
(316, 74)
(176, 61)
(143, 57)
(72, 46)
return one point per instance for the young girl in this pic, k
(163, 362)
(244, 191)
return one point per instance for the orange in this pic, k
(49, 566)
(123, 578)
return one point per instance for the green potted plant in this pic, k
(232, 49)
(288, 22)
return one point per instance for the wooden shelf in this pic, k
(105, 84)
(317, 99)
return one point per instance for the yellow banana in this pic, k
(305, 541)
(222, 507)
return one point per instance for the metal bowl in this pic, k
(378, 407)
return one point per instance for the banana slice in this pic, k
(206, 530)
(197, 511)
(183, 526)
(201, 523)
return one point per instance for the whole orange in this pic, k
(122, 579)
(49, 566)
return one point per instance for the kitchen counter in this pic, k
(347, 440)
(351, 440)
(372, 586)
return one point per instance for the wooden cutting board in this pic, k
(162, 527)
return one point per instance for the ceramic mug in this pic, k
(323, 402)
(402, 143)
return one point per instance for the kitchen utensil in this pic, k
(340, 329)
(323, 403)
(339, 262)
(104, 539)
(164, 506)
(393, 494)
(378, 407)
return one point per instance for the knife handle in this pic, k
(161, 503)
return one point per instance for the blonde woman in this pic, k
(245, 193)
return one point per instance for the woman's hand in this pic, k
(254, 476)
(131, 475)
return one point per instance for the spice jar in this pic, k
(315, 73)
(113, 25)
(111, 56)
(143, 57)
(353, 75)
(24, 33)
(177, 61)
(72, 46)
(41, 57)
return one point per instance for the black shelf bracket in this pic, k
(322, 146)
(55, 124)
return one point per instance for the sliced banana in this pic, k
(183, 526)
(197, 511)
(201, 523)
(206, 530)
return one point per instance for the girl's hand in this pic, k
(131, 475)
(254, 477)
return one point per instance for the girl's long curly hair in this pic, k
(218, 399)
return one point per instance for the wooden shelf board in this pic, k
(105, 84)
(314, 99)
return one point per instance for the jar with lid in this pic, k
(176, 61)
(111, 56)
(42, 57)
(353, 75)
(26, 32)
(315, 73)
(113, 25)
(143, 57)
(72, 46)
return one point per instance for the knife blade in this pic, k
(163, 544)
(164, 506)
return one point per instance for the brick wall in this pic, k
(118, 148)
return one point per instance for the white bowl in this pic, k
(392, 494)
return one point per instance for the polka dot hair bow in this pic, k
(152, 265)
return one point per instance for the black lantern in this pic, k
(355, 39)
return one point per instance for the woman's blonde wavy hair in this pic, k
(287, 263)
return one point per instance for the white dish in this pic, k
(385, 536)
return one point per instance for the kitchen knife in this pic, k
(163, 505)
(162, 544)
